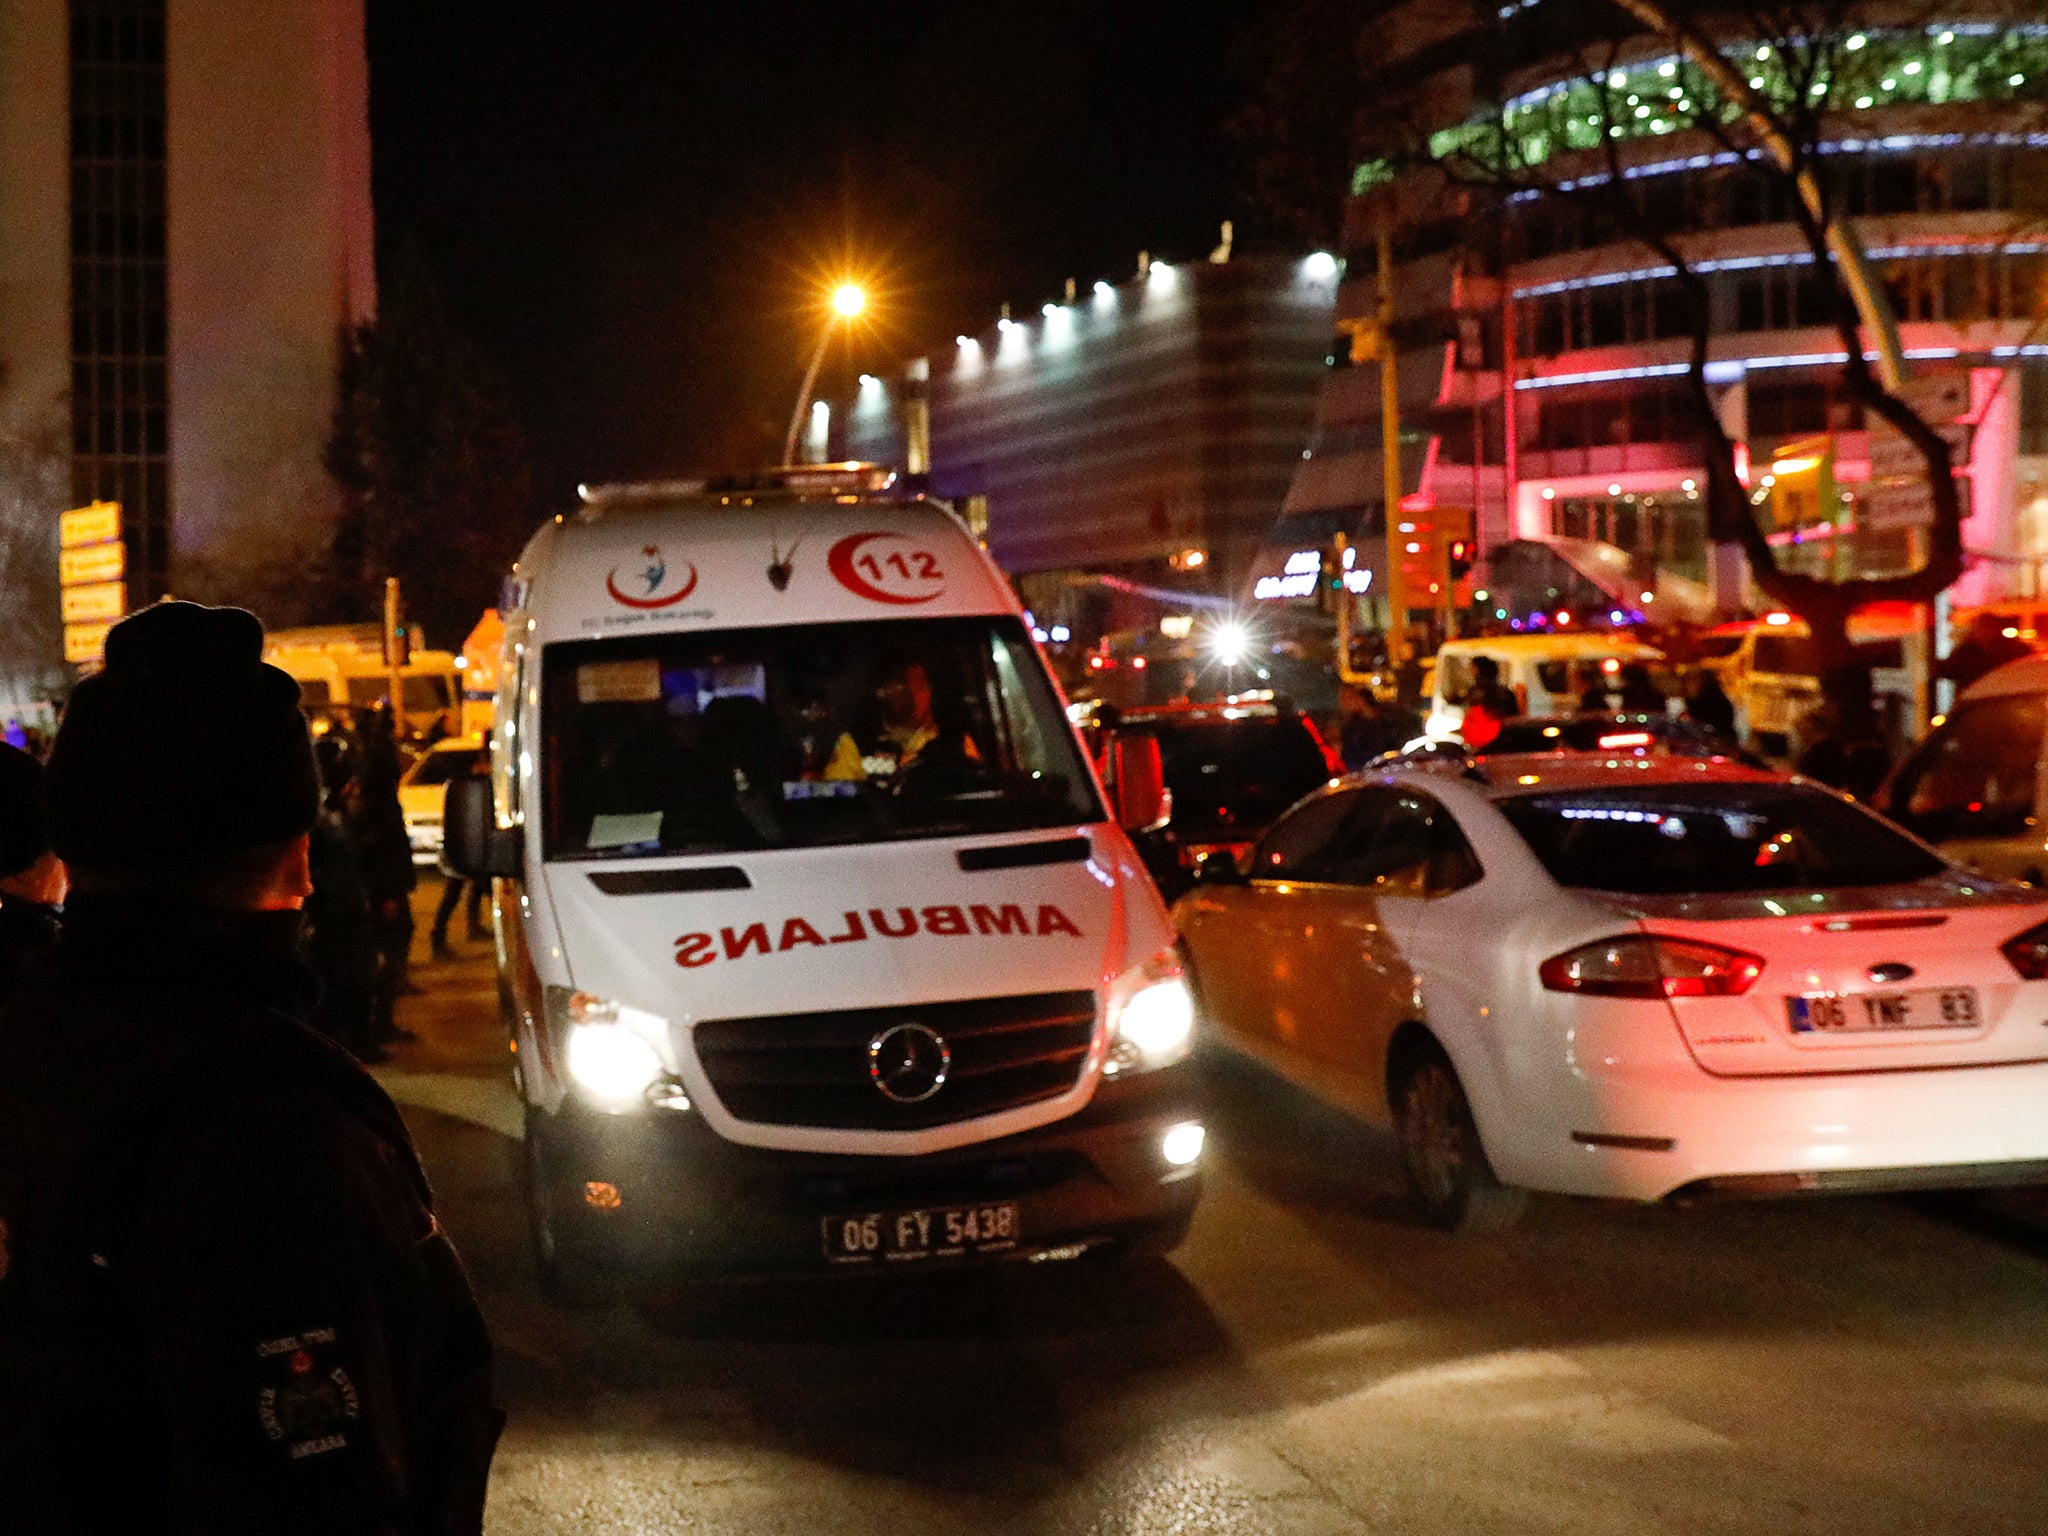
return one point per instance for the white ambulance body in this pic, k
(817, 942)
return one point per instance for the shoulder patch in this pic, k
(306, 1403)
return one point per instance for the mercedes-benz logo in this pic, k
(909, 1063)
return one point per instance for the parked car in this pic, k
(1974, 786)
(423, 792)
(1232, 766)
(1770, 670)
(1633, 978)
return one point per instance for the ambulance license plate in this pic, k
(939, 1232)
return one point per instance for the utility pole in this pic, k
(1372, 340)
(917, 417)
(845, 304)
(394, 654)
(1390, 451)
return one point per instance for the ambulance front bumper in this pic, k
(660, 1192)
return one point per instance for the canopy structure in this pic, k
(1536, 575)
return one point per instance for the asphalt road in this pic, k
(1310, 1361)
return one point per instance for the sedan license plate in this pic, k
(1858, 1013)
(939, 1232)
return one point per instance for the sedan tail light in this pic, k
(2028, 952)
(1650, 965)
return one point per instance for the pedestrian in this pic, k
(1409, 692)
(1640, 694)
(1489, 704)
(32, 877)
(454, 886)
(1366, 728)
(340, 929)
(226, 1304)
(1844, 744)
(1593, 699)
(1709, 705)
(377, 823)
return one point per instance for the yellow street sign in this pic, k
(94, 562)
(85, 643)
(1802, 491)
(99, 523)
(90, 604)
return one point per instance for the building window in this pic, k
(1606, 418)
(1948, 179)
(2033, 385)
(1782, 408)
(120, 396)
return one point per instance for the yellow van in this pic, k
(340, 667)
(1541, 669)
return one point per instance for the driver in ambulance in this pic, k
(909, 734)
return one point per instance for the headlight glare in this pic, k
(611, 1051)
(612, 1063)
(1151, 1017)
(1181, 1146)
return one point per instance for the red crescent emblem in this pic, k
(841, 563)
(611, 585)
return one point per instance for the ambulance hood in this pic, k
(870, 925)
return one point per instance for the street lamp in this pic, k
(847, 302)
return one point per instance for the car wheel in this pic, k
(1447, 1167)
(572, 1274)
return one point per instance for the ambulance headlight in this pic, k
(1151, 1017)
(610, 1051)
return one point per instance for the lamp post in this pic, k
(847, 302)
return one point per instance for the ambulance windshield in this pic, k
(803, 736)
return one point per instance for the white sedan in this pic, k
(1633, 977)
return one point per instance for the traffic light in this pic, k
(1360, 340)
(1461, 550)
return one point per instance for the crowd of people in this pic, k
(220, 1269)
(357, 918)
(1839, 742)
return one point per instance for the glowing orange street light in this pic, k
(847, 302)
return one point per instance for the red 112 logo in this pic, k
(886, 567)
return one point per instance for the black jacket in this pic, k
(27, 930)
(225, 1302)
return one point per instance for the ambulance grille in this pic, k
(811, 1069)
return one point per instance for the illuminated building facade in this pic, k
(1145, 430)
(1543, 351)
(185, 199)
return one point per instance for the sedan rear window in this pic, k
(1701, 839)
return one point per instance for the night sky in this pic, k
(629, 206)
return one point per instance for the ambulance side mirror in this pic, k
(475, 846)
(1136, 775)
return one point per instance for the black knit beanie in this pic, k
(24, 822)
(184, 748)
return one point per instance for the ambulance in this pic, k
(821, 946)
